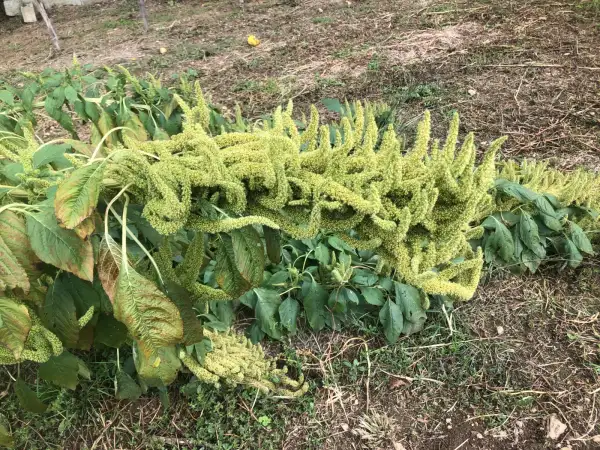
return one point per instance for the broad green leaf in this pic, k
(10, 171)
(390, 316)
(515, 190)
(580, 239)
(62, 370)
(373, 295)
(413, 314)
(531, 260)
(57, 246)
(12, 275)
(504, 241)
(110, 332)
(273, 244)
(333, 105)
(547, 213)
(288, 313)
(226, 270)
(28, 399)
(15, 323)
(223, 311)
(518, 244)
(13, 231)
(182, 298)
(84, 294)
(7, 97)
(149, 315)
(337, 302)
(314, 305)
(109, 265)
(126, 388)
(49, 154)
(322, 254)
(364, 277)
(60, 315)
(574, 256)
(279, 278)
(349, 295)
(339, 244)
(249, 299)
(71, 95)
(6, 438)
(158, 367)
(528, 230)
(77, 196)
(254, 333)
(91, 110)
(267, 304)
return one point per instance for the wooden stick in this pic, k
(40, 7)
(143, 13)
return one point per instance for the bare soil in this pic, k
(491, 373)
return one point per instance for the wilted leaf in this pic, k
(148, 314)
(504, 242)
(87, 227)
(57, 246)
(273, 244)
(77, 196)
(390, 317)
(15, 324)
(28, 399)
(226, 270)
(134, 128)
(267, 304)
(109, 264)
(105, 124)
(126, 388)
(62, 370)
(314, 305)
(288, 313)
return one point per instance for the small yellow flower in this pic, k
(253, 40)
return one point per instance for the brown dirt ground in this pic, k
(523, 349)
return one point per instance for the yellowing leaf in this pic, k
(109, 265)
(149, 315)
(135, 128)
(13, 231)
(77, 196)
(157, 368)
(253, 40)
(12, 275)
(15, 324)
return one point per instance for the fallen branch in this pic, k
(40, 7)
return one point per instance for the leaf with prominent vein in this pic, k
(57, 246)
(13, 230)
(77, 196)
(12, 275)
(249, 254)
(109, 265)
(15, 323)
(148, 314)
